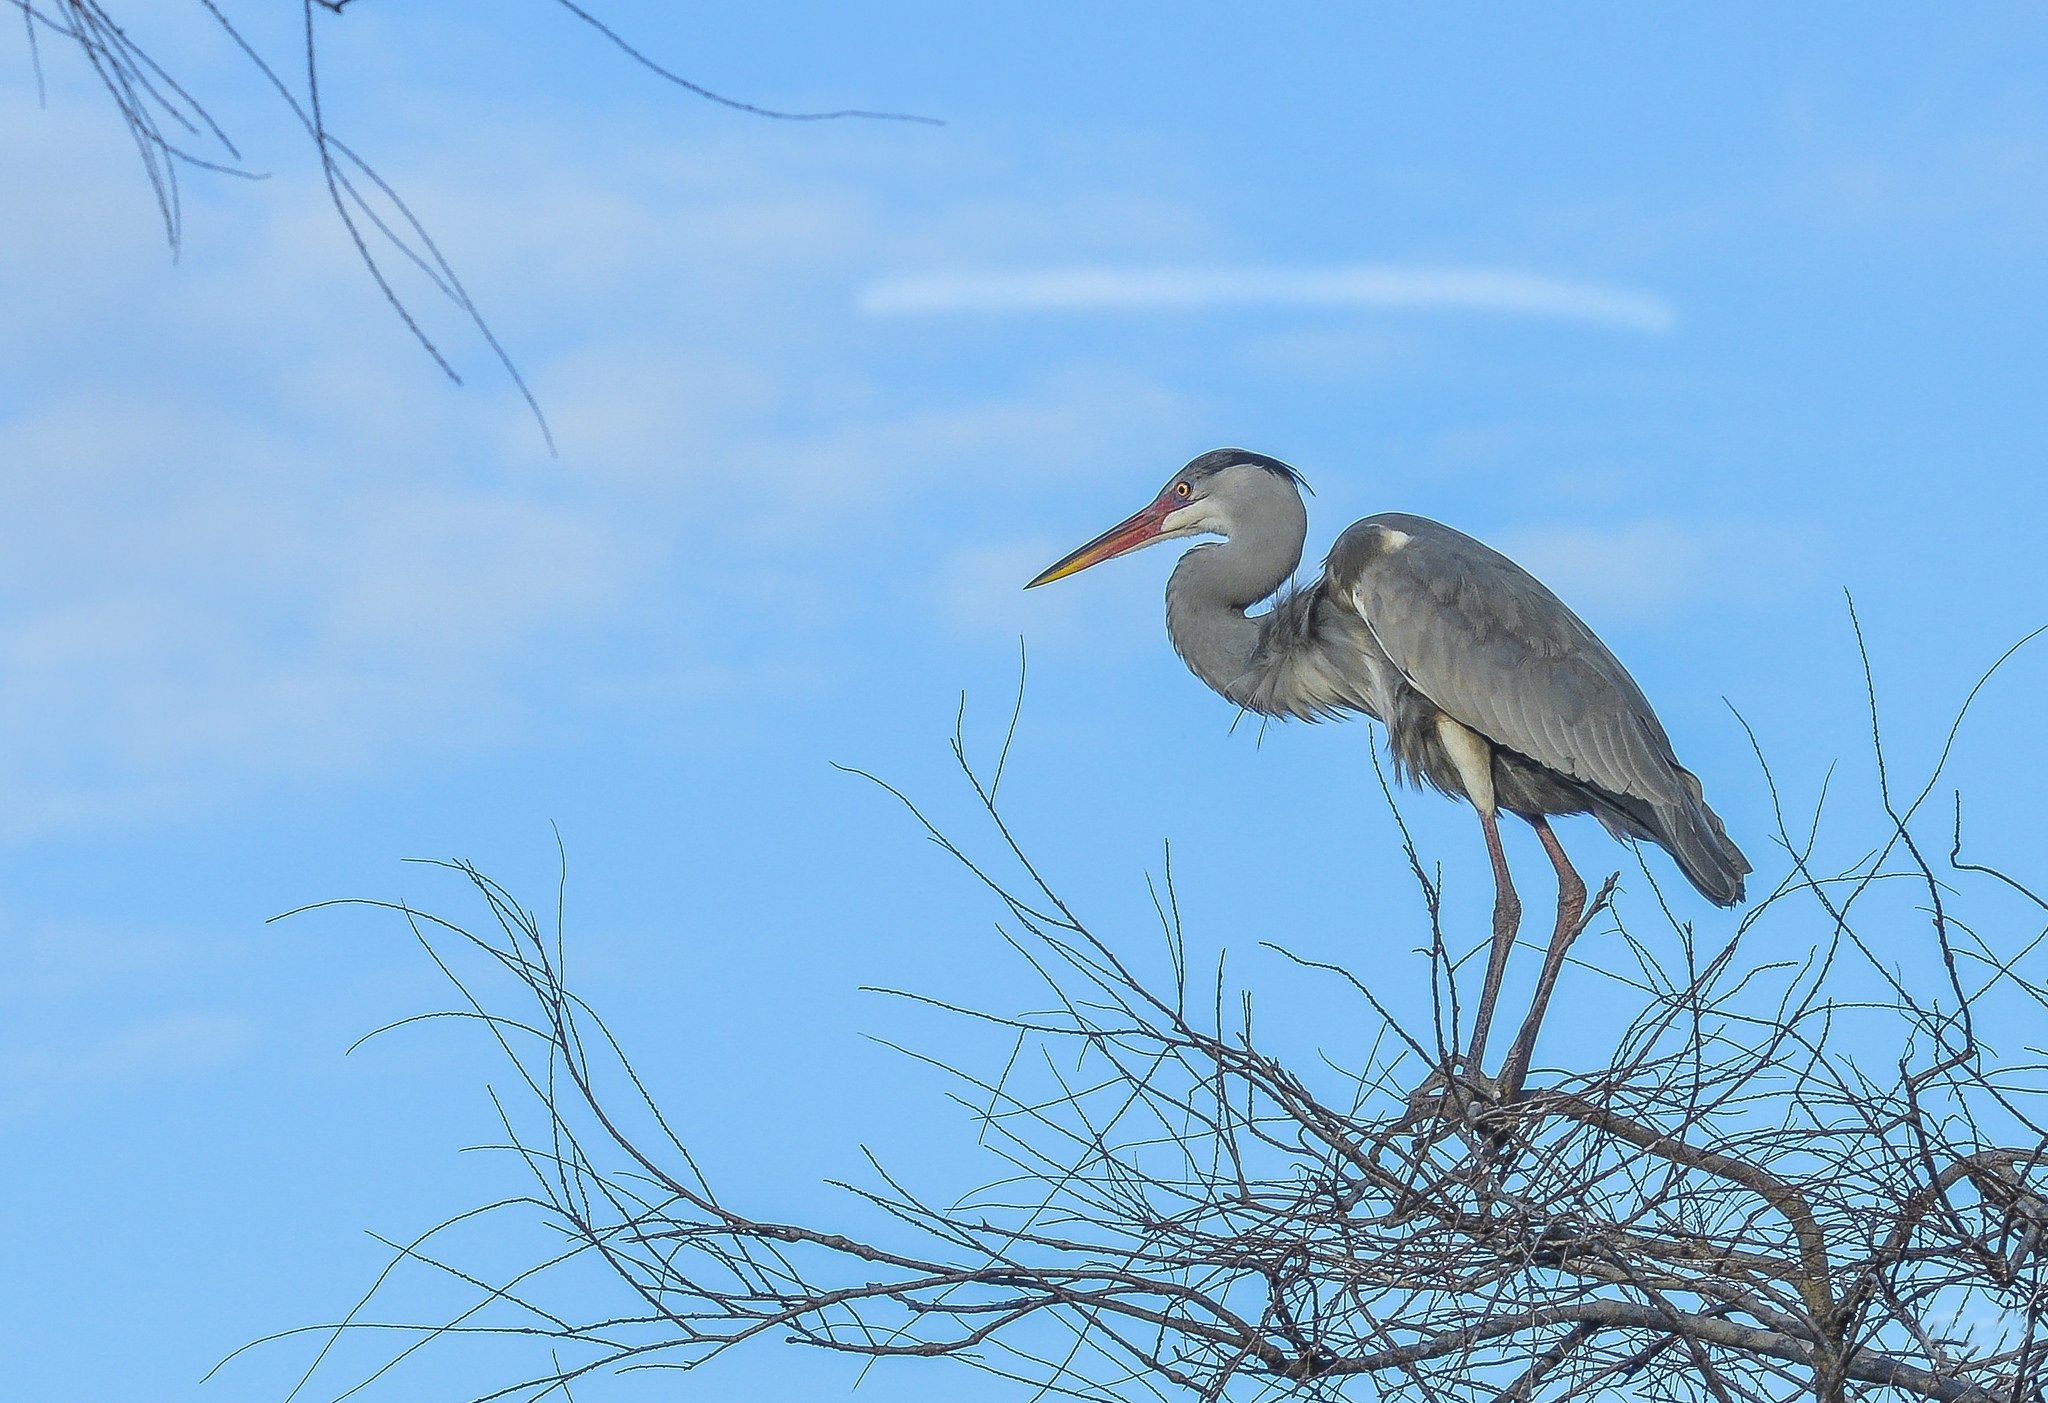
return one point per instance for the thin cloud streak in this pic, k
(1389, 286)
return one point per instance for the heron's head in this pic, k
(1214, 495)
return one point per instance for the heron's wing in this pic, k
(1492, 648)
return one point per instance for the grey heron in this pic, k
(1490, 689)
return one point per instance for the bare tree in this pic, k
(1801, 1173)
(174, 132)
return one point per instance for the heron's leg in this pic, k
(1571, 919)
(1507, 919)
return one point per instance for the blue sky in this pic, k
(1705, 315)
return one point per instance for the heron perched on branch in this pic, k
(1491, 690)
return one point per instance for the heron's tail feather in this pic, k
(1695, 838)
(1692, 833)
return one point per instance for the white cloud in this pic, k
(188, 604)
(1649, 569)
(245, 532)
(1381, 286)
(89, 963)
(158, 1049)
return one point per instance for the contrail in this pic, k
(1390, 286)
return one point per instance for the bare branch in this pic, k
(1795, 1177)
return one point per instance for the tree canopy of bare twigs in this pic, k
(1809, 1164)
(174, 132)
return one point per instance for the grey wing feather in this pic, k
(1485, 641)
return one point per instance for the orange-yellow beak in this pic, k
(1139, 530)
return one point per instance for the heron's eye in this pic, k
(1181, 489)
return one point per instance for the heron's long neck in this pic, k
(1210, 590)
